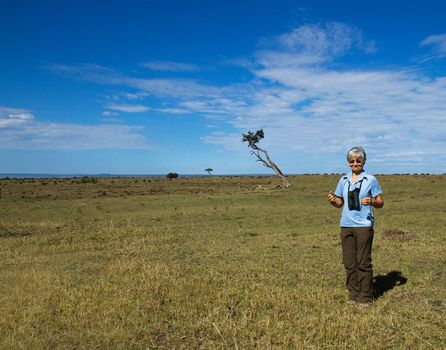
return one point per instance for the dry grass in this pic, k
(213, 263)
(398, 235)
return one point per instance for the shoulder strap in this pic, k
(360, 182)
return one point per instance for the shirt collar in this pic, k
(363, 175)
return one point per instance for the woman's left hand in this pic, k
(367, 201)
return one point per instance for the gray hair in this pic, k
(356, 152)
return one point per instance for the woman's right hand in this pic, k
(331, 197)
(335, 200)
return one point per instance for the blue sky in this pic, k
(149, 87)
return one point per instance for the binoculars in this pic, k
(353, 199)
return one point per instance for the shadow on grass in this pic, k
(384, 283)
(6, 233)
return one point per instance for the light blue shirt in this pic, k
(369, 188)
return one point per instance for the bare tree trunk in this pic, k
(270, 164)
(285, 182)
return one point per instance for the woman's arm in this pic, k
(378, 202)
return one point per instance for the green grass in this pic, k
(213, 263)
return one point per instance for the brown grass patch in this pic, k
(398, 235)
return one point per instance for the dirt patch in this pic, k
(435, 303)
(249, 234)
(262, 188)
(398, 235)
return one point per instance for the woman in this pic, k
(357, 192)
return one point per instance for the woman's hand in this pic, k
(335, 200)
(377, 202)
(367, 201)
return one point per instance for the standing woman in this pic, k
(360, 192)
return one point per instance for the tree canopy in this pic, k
(171, 176)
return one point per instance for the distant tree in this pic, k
(262, 155)
(172, 176)
(209, 170)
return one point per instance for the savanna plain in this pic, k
(214, 263)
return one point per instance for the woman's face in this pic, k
(356, 164)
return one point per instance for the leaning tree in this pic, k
(262, 155)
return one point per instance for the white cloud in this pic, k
(132, 97)
(90, 72)
(109, 114)
(315, 109)
(128, 108)
(230, 141)
(174, 110)
(438, 42)
(323, 42)
(333, 39)
(20, 130)
(306, 104)
(170, 66)
(13, 117)
(177, 88)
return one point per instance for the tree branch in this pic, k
(253, 140)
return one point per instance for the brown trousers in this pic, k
(357, 258)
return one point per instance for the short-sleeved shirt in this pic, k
(369, 188)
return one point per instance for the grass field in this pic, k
(214, 263)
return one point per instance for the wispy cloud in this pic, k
(14, 117)
(90, 72)
(177, 88)
(230, 141)
(170, 66)
(306, 103)
(325, 41)
(438, 42)
(19, 129)
(174, 110)
(128, 108)
(109, 114)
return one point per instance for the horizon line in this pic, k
(3, 176)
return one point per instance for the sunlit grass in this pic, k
(213, 263)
